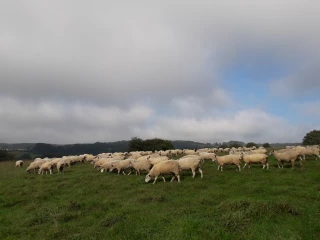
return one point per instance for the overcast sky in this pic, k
(208, 71)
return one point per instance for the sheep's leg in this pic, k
(173, 177)
(163, 179)
(178, 176)
(218, 167)
(263, 166)
(267, 165)
(244, 166)
(155, 179)
(50, 171)
(193, 172)
(300, 163)
(124, 173)
(292, 164)
(279, 165)
(201, 172)
(221, 167)
(249, 165)
(240, 167)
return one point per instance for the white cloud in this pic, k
(247, 125)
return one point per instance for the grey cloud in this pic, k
(305, 81)
(62, 123)
(247, 125)
(309, 109)
(63, 58)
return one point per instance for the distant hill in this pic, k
(15, 146)
(51, 150)
(76, 149)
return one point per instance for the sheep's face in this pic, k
(147, 179)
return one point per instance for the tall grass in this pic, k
(85, 204)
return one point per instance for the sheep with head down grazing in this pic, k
(19, 163)
(34, 166)
(47, 166)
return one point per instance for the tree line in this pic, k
(135, 144)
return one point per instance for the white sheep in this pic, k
(47, 166)
(226, 150)
(263, 151)
(165, 167)
(192, 163)
(206, 156)
(19, 163)
(89, 157)
(60, 165)
(288, 156)
(255, 158)
(34, 166)
(102, 161)
(227, 160)
(122, 165)
(174, 152)
(155, 160)
(308, 151)
(106, 166)
(190, 152)
(141, 165)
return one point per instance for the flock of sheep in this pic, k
(159, 164)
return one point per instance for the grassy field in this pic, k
(85, 204)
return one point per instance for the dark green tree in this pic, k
(224, 145)
(136, 144)
(251, 144)
(266, 145)
(235, 145)
(312, 138)
(5, 156)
